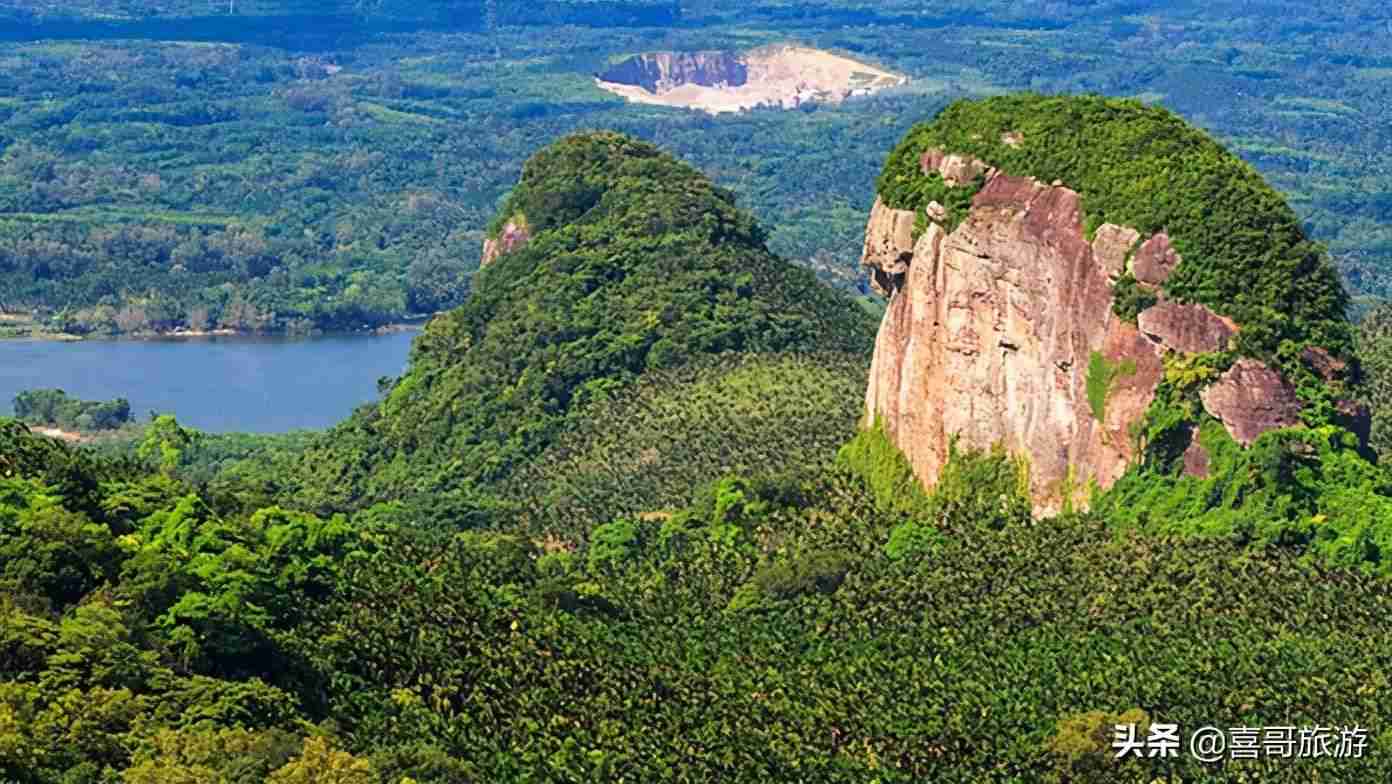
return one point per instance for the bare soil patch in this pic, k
(783, 76)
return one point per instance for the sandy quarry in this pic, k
(782, 76)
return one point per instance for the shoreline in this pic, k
(396, 327)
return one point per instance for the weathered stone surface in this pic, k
(1154, 260)
(955, 169)
(1196, 460)
(988, 338)
(1190, 328)
(509, 239)
(1251, 399)
(1110, 246)
(1329, 367)
(659, 72)
(888, 246)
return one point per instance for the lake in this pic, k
(217, 384)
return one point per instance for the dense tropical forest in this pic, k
(301, 166)
(616, 522)
(621, 518)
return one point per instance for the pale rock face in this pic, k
(716, 82)
(1196, 460)
(988, 336)
(991, 328)
(1192, 329)
(1322, 362)
(955, 169)
(888, 246)
(1251, 399)
(1154, 260)
(1110, 246)
(509, 239)
(660, 72)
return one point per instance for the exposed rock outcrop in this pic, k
(1154, 260)
(1008, 325)
(991, 330)
(889, 245)
(1196, 460)
(1111, 245)
(955, 169)
(659, 72)
(512, 236)
(1329, 367)
(1251, 399)
(989, 335)
(1189, 328)
(780, 76)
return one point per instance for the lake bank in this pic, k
(14, 330)
(218, 383)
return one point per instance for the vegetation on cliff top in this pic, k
(1244, 253)
(636, 263)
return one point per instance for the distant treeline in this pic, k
(316, 26)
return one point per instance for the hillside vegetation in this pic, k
(765, 417)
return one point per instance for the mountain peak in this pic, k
(1087, 282)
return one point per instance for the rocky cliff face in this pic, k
(513, 235)
(1002, 331)
(659, 72)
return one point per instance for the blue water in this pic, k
(216, 384)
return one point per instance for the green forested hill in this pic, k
(636, 263)
(1244, 255)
